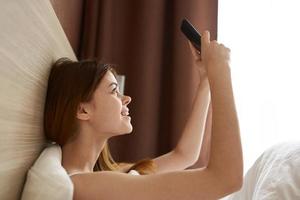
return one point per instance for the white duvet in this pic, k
(274, 176)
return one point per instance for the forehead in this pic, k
(108, 78)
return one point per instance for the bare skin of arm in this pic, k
(194, 143)
(224, 172)
(187, 151)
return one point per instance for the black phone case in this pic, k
(191, 33)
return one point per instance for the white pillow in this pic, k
(47, 179)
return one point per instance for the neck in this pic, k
(82, 153)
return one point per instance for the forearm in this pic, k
(226, 151)
(190, 142)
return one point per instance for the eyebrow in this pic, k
(113, 83)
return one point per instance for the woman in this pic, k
(84, 109)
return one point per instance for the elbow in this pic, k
(236, 176)
(232, 181)
(227, 185)
(201, 159)
(235, 183)
(191, 162)
(201, 163)
(240, 176)
(230, 186)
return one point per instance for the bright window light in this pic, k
(264, 38)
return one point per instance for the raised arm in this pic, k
(192, 137)
(226, 152)
(224, 172)
(187, 151)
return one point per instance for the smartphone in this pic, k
(191, 33)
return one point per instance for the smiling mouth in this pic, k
(125, 113)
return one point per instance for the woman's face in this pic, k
(105, 111)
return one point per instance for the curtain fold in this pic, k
(143, 38)
(70, 18)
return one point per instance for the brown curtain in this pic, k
(144, 39)
(70, 17)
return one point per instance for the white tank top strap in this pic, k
(74, 173)
(132, 172)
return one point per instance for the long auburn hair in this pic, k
(70, 83)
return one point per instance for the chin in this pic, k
(125, 131)
(125, 127)
(130, 129)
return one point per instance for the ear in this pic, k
(83, 112)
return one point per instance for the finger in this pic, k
(192, 48)
(205, 39)
(195, 52)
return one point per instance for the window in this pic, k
(264, 38)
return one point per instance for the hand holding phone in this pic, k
(191, 33)
(195, 39)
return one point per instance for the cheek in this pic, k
(109, 110)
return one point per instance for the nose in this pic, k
(126, 100)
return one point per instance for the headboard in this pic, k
(31, 39)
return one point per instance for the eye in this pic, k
(115, 90)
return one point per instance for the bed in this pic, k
(274, 176)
